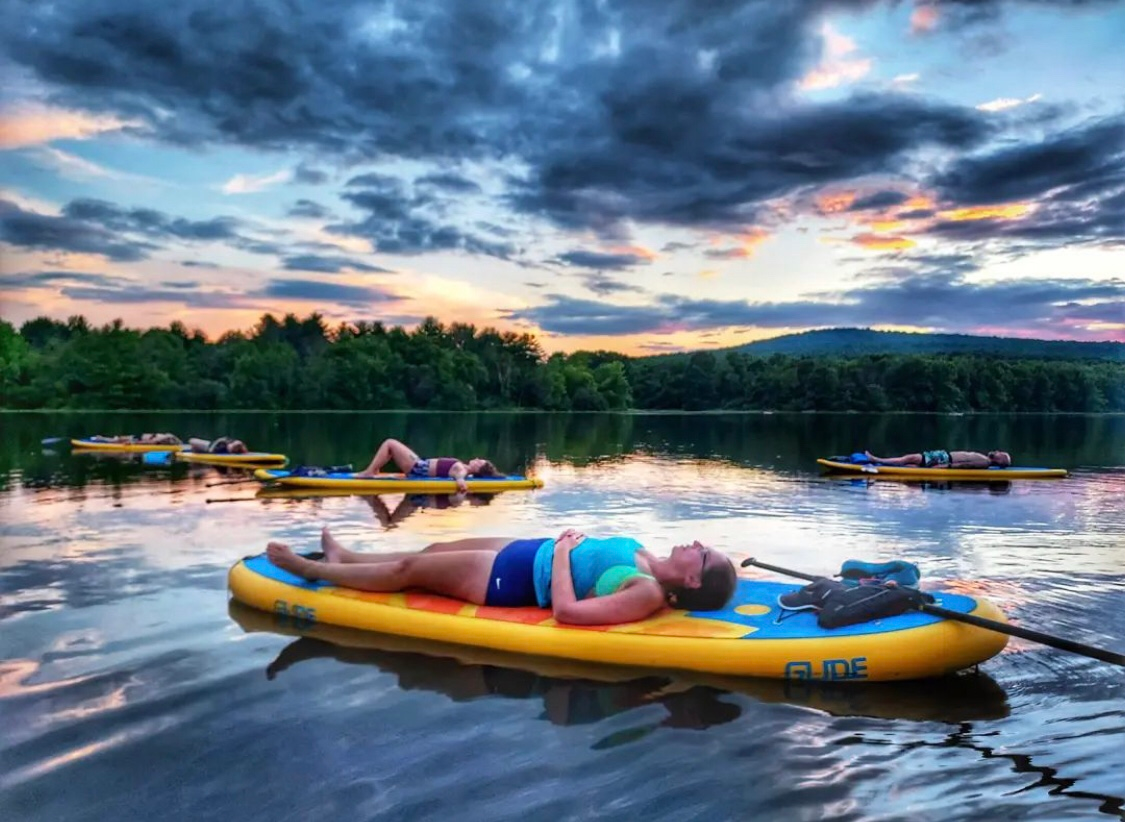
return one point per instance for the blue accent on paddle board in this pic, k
(156, 457)
(802, 624)
(261, 565)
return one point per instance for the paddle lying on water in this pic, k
(230, 482)
(991, 625)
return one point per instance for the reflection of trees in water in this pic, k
(515, 441)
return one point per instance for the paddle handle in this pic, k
(1027, 633)
(980, 622)
(779, 569)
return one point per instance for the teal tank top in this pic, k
(599, 567)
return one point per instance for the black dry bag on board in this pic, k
(867, 602)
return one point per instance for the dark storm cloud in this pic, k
(602, 261)
(138, 295)
(150, 222)
(963, 13)
(308, 175)
(732, 253)
(878, 199)
(453, 183)
(327, 264)
(116, 233)
(309, 208)
(915, 214)
(317, 291)
(942, 301)
(732, 159)
(617, 111)
(603, 284)
(669, 248)
(198, 264)
(1090, 156)
(41, 279)
(28, 229)
(400, 220)
(156, 225)
(1055, 222)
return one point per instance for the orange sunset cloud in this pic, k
(883, 242)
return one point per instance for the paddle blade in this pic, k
(53, 440)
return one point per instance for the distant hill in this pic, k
(851, 342)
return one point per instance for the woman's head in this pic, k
(480, 467)
(1000, 458)
(699, 578)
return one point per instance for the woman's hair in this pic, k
(487, 469)
(714, 591)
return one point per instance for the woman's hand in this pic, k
(569, 539)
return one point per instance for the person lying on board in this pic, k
(584, 581)
(222, 445)
(139, 439)
(947, 459)
(415, 467)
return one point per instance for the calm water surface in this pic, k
(130, 688)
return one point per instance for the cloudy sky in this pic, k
(639, 175)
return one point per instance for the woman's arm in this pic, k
(635, 601)
(457, 472)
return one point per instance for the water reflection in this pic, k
(117, 649)
(390, 510)
(576, 692)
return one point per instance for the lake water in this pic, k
(131, 689)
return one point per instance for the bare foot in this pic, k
(333, 550)
(283, 557)
(870, 456)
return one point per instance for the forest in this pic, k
(297, 363)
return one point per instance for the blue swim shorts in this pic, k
(512, 581)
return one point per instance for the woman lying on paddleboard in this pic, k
(139, 439)
(222, 445)
(584, 581)
(947, 459)
(416, 467)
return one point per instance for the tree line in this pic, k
(293, 363)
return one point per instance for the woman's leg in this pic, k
(462, 574)
(335, 552)
(199, 446)
(905, 459)
(403, 457)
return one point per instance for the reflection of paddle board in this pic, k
(157, 454)
(395, 482)
(248, 459)
(745, 638)
(961, 698)
(987, 474)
